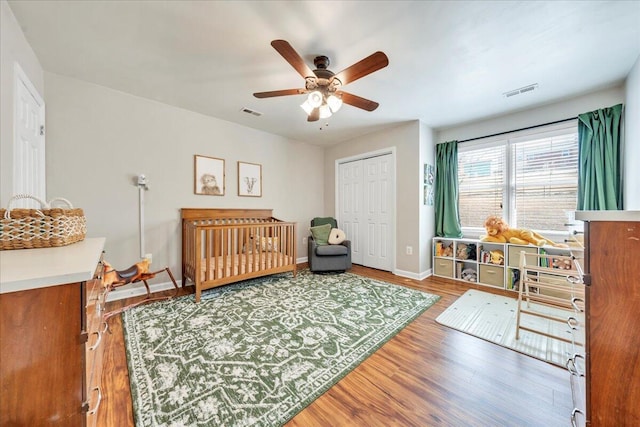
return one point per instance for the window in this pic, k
(529, 178)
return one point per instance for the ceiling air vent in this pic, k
(521, 90)
(250, 111)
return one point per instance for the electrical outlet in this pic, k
(149, 257)
(409, 250)
(304, 240)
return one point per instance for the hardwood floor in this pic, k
(427, 375)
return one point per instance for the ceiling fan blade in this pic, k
(314, 116)
(291, 56)
(358, 102)
(283, 92)
(368, 65)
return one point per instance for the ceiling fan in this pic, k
(324, 88)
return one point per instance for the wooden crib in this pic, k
(222, 246)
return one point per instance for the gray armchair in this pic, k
(328, 257)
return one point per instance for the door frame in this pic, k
(363, 156)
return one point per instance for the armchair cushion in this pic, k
(332, 250)
(321, 233)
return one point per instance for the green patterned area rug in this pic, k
(256, 353)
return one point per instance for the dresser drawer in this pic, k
(492, 275)
(94, 348)
(443, 267)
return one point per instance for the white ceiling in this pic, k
(449, 61)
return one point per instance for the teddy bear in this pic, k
(462, 251)
(447, 251)
(499, 231)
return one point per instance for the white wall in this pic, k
(536, 116)
(405, 138)
(13, 48)
(632, 139)
(427, 213)
(99, 139)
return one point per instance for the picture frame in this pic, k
(249, 179)
(208, 176)
(429, 179)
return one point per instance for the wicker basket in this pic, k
(41, 228)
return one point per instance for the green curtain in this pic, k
(446, 186)
(600, 163)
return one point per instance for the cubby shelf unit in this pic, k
(494, 264)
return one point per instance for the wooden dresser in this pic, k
(611, 273)
(50, 335)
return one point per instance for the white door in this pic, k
(366, 203)
(350, 194)
(377, 203)
(29, 148)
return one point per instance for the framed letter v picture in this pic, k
(249, 179)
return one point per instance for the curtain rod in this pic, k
(518, 130)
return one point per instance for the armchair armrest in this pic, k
(311, 247)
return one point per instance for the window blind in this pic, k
(545, 181)
(529, 178)
(481, 183)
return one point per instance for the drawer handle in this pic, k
(572, 367)
(574, 280)
(97, 343)
(574, 421)
(574, 303)
(573, 323)
(95, 409)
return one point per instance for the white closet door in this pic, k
(377, 201)
(366, 210)
(350, 187)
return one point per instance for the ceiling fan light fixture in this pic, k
(323, 86)
(334, 103)
(325, 111)
(315, 99)
(307, 107)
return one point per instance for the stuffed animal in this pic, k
(499, 231)
(448, 251)
(469, 274)
(496, 257)
(462, 251)
(562, 263)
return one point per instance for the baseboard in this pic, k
(412, 275)
(302, 260)
(138, 289)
